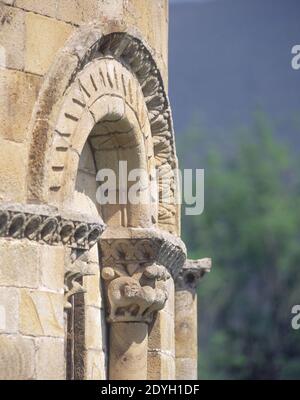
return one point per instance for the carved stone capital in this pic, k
(45, 225)
(191, 274)
(136, 265)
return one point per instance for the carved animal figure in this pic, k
(127, 293)
(159, 302)
(158, 272)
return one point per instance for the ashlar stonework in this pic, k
(89, 290)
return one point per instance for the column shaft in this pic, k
(128, 351)
(186, 335)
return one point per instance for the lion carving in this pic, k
(129, 299)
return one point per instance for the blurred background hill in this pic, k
(236, 109)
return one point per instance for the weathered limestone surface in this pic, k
(160, 367)
(19, 264)
(41, 313)
(129, 343)
(83, 87)
(12, 36)
(41, 49)
(186, 329)
(18, 95)
(96, 365)
(93, 328)
(17, 358)
(9, 310)
(52, 262)
(50, 359)
(13, 158)
(186, 335)
(150, 19)
(137, 271)
(40, 7)
(162, 341)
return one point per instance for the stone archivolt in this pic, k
(135, 271)
(120, 66)
(134, 55)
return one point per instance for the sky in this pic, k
(190, 1)
(227, 59)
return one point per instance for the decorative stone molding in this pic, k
(135, 268)
(134, 54)
(192, 272)
(45, 225)
(120, 246)
(89, 46)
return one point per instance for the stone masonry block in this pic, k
(186, 368)
(12, 37)
(93, 331)
(19, 92)
(92, 287)
(52, 267)
(9, 310)
(50, 362)
(160, 366)
(44, 38)
(13, 161)
(91, 11)
(40, 7)
(95, 365)
(19, 262)
(41, 313)
(159, 339)
(16, 358)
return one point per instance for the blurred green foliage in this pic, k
(250, 228)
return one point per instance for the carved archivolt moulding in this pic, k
(135, 269)
(45, 225)
(191, 274)
(92, 65)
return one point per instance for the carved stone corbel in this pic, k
(134, 282)
(135, 270)
(73, 284)
(192, 273)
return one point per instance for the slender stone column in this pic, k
(186, 332)
(128, 351)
